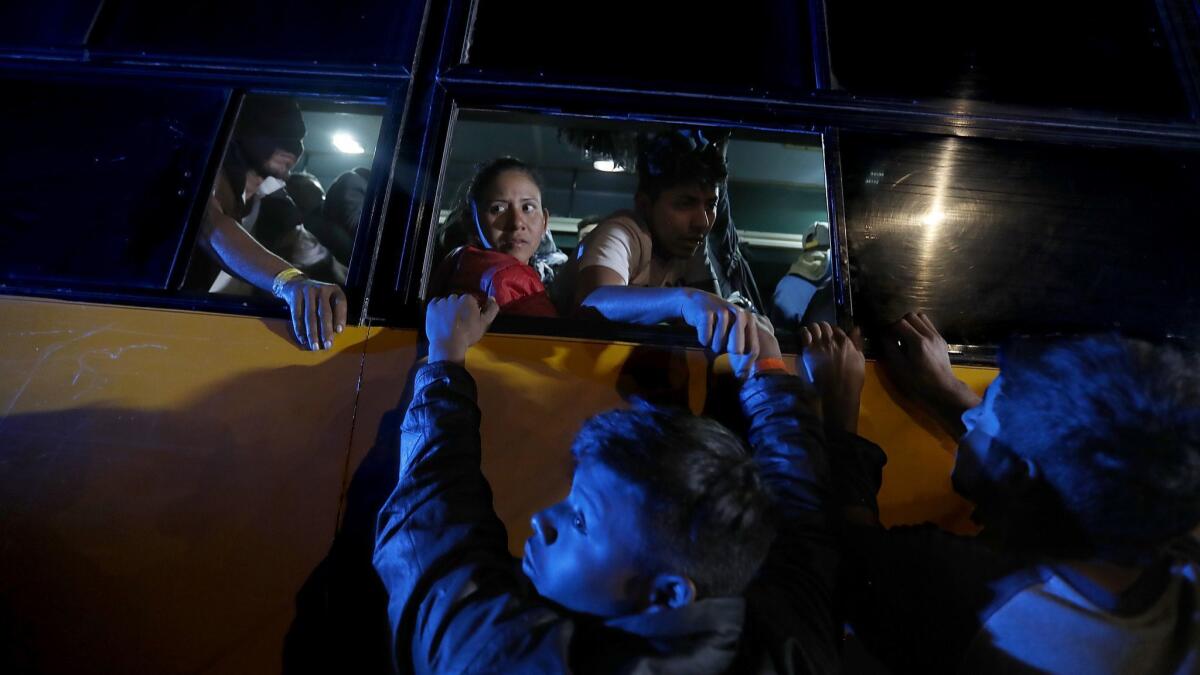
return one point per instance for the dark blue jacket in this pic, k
(458, 601)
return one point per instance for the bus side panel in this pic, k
(168, 481)
(916, 480)
(536, 392)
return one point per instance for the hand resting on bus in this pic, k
(917, 360)
(454, 323)
(318, 310)
(834, 362)
(720, 325)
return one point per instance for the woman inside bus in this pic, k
(497, 230)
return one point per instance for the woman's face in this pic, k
(511, 214)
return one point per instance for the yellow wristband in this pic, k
(282, 279)
(772, 363)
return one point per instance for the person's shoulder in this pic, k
(468, 269)
(514, 274)
(620, 234)
(625, 220)
(471, 257)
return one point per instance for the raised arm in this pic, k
(835, 364)
(834, 361)
(454, 591)
(792, 598)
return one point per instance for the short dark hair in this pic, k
(707, 509)
(681, 157)
(1114, 425)
(305, 189)
(461, 223)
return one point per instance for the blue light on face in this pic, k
(982, 418)
(584, 552)
(969, 476)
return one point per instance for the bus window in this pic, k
(1059, 54)
(757, 45)
(991, 237)
(773, 206)
(294, 177)
(98, 181)
(367, 34)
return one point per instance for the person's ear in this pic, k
(671, 591)
(1015, 472)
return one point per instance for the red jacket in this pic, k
(515, 287)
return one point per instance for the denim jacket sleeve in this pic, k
(792, 597)
(457, 601)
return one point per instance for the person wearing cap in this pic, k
(267, 143)
(649, 265)
(805, 294)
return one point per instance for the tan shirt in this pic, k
(622, 243)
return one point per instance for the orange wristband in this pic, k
(772, 363)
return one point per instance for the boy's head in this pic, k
(1095, 440)
(665, 508)
(680, 174)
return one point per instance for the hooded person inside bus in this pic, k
(267, 143)
(676, 550)
(1083, 461)
(650, 265)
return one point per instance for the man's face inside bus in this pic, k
(279, 164)
(680, 217)
(587, 551)
(276, 156)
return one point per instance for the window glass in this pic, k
(773, 205)
(53, 23)
(292, 184)
(353, 32)
(991, 237)
(758, 44)
(1070, 53)
(98, 181)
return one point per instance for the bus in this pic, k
(185, 489)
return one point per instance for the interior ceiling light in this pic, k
(344, 142)
(607, 166)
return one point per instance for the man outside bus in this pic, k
(660, 559)
(1083, 460)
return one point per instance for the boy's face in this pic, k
(681, 217)
(511, 215)
(981, 460)
(584, 553)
